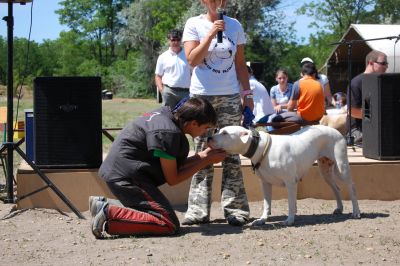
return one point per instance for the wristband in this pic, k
(246, 92)
(249, 96)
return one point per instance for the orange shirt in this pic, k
(310, 98)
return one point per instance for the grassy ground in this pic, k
(115, 114)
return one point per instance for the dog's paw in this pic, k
(356, 215)
(338, 211)
(258, 222)
(288, 222)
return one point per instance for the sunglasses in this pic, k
(175, 40)
(382, 63)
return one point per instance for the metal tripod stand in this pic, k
(9, 145)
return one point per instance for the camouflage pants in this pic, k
(233, 195)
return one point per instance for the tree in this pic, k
(148, 21)
(336, 15)
(335, 18)
(96, 21)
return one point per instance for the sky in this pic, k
(46, 25)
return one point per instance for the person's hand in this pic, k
(213, 155)
(248, 102)
(218, 25)
(278, 108)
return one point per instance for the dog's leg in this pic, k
(343, 172)
(267, 192)
(292, 201)
(326, 168)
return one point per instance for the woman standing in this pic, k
(280, 93)
(219, 75)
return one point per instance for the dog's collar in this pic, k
(266, 148)
(255, 139)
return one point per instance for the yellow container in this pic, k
(19, 130)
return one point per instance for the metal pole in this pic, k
(350, 138)
(10, 85)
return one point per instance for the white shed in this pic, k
(362, 42)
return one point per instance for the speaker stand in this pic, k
(10, 146)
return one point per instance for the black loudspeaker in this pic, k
(381, 119)
(67, 122)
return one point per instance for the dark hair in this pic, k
(283, 71)
(198, 109)
(309, 69)
(174, 34)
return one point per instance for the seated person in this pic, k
(339, 100)
(262, 102)
(308, 96)
(281, 92)
(323, 79)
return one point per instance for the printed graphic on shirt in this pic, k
(150, 115)
(220, 58)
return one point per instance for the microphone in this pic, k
(221, 13)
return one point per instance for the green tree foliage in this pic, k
(335, 17)
(387, 11)
(120, 40)
(94, 20)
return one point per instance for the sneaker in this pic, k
(92, 205)
(236, 221)
(192, 221)
(100, 219)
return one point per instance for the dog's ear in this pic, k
(244, 136)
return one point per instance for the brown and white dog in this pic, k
(288, 159)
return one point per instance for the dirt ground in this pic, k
(47, 237)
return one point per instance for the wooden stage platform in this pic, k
(375, 180)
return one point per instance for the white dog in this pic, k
(288, 159)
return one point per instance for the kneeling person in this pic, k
(148, 152)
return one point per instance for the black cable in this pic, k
(24, 73)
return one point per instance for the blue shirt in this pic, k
(281, 97)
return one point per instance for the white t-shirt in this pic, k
(323, 79)
(217, 74)
(174, 69)
(262, 101)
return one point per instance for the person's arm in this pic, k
(193, 164)
(356, 112)
(242, 75)
(291, 105)
(328, 94)
(196, 51)
(159, 84)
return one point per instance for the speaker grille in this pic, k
(67, 122)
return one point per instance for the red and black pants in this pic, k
(145, 211)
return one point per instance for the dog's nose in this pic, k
(209, 139)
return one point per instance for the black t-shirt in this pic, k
(131, 154)
(356, 99)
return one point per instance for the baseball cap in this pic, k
(306, 59)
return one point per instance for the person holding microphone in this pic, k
(214, 47)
